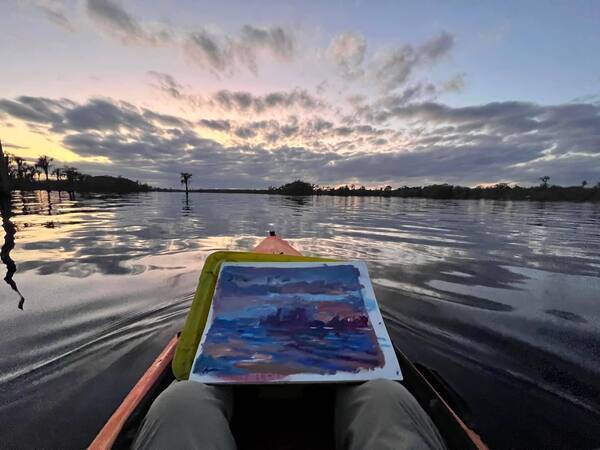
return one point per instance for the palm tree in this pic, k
(71, 173)
(21, 167)
(32, 172)
(185, 178)
(57, 173)
(44, 163)
(544, 181)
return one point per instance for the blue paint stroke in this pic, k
(289, 321)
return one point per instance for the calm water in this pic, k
(501, 300)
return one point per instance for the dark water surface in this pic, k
(500, 299)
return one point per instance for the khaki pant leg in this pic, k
(382, 414)
(188, 415)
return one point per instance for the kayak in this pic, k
(289, 417)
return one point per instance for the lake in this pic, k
(498, 300)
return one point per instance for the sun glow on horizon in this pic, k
(19, 139)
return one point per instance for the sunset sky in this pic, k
(251, 94)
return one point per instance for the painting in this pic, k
(294, 322)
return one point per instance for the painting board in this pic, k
(294, 322)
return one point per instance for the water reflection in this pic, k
(9, 244)
(297, 200)
(186, 209)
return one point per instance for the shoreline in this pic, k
(534, 194)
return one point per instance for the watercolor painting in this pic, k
(294, 322)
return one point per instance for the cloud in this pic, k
(98, 114)
(219, 52)
(436, 47)
(217, 125)
(439, 164)
(408, 95)
(391, 68)
(122, 25)
(224, 54)
(101, 114)
(317, 133)
(55, 11)
(35, 109)
(14, 146)
(241, 101)
(167, 84)
(245, 101)
(277, 40)
(165, 119)
(378, 110)
(347, 52)
(430, 142)
(454, 84)
(394, 68)
(245, 133)
(210, 51)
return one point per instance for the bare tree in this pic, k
(185, 178)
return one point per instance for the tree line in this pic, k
(19, 169)
(23, 175)
(28, 176)
(500, 191)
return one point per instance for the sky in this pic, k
(250, 94)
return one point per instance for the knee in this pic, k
(381, 387)
(188, 415)
(176, 398)
(382, 391)
(185, 391)
(182, 396)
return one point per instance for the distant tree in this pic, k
(57, 172)
(185, 178)
(297, 187)
(584, 183)
(387, 189)
(21, 167)
(32, 171)
(10, 166)
(44, 163)
(544, 181)
(71, 173)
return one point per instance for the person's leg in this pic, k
(188, 415)
(382, 414)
